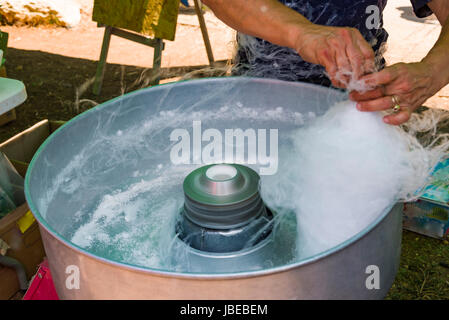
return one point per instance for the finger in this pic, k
(355, 58)
(379, 104)
(368, 95)
(382, 77)
(403, 87)
(398, 118)
(326, 58)
(344, 69)
(369, 66)
(341, 58)
(367, 52)
(365, 47)
(337, 84)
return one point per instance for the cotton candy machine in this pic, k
(157, 195)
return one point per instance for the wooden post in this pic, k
(157, 59)
(203, 28)
(102, 62)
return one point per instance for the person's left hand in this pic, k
(410, 84)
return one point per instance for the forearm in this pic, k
(266, 19)
(438, 57)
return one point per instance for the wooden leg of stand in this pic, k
(102, 62)
(203, 27)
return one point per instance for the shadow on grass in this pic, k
(52, 81)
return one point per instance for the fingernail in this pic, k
(358, 106)
(386, 120)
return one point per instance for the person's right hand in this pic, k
(341, 50)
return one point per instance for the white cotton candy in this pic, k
(345, 170)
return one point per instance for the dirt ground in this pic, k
(56, 64)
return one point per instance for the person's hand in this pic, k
(342, 51)
(408, 85)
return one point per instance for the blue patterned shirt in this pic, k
(260, 58)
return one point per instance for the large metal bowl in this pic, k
(345, 271)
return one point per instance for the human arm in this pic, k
(335, 48)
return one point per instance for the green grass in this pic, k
(423, 273)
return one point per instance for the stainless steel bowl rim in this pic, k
(245, 274)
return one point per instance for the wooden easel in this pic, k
(156, 43)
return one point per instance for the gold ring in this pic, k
(396, 107)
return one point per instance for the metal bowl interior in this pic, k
(55, 202)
